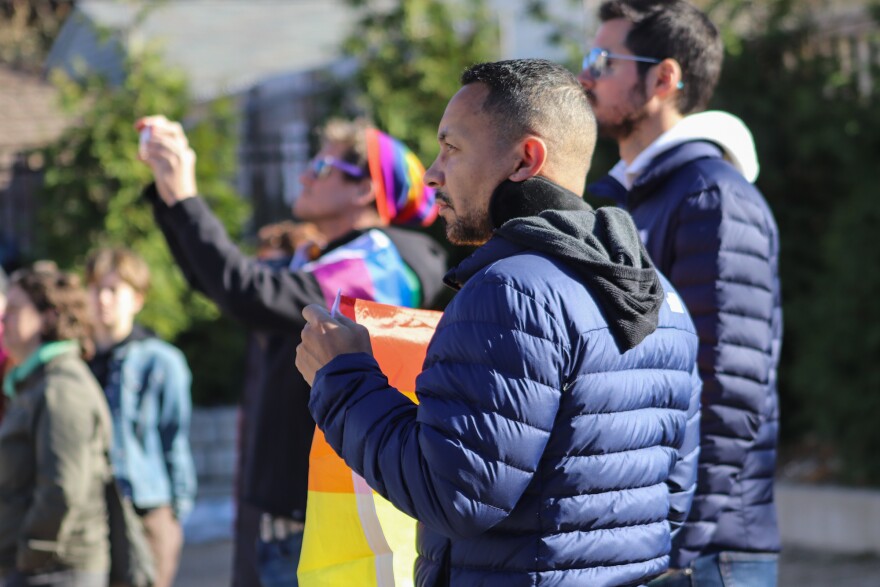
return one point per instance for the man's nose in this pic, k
(433, 177)
(586, 79)
(306, 177)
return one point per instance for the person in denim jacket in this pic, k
(147, 385)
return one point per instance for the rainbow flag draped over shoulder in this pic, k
(353, 536)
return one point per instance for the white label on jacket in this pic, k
(674, 302)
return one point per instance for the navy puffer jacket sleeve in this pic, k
(478, 447)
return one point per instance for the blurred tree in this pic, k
(27, 29)
(411, 55)
(91, 197)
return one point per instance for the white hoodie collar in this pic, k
(725, 130)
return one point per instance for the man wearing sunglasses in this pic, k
(686, 177)
(360, 183)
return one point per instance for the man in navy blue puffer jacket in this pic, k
(687, 180)
(555, 439)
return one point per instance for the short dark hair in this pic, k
(537, 96)
(673, 29)
(61, 299)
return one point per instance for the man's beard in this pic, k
(625, 127)
(469, 230)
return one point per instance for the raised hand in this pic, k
(165, 148)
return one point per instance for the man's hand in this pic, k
(168, 154)
(324, 338)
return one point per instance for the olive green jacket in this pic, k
(54, 442)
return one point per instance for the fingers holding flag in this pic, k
(325, 337)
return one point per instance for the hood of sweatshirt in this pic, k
(725, 130)
(602, 246)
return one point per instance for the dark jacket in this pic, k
(147, 385)
(542, 447)
(711, 232)
(54, 443)
(271, 300)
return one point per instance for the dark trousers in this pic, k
(247, 530)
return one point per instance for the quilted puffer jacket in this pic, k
(551, 446)
(712, 233)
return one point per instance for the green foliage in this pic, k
(92, 197)
(411, 57)
(835, 372)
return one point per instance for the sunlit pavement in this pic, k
(209, 564)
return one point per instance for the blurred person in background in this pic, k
(360, 187)
(54, 440)
(686, 177)
(5, 364)
(147, 385)
(276, 245)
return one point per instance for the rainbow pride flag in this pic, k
(353, 536)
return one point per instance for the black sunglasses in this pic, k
(597, 61)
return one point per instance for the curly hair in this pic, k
(61, 300)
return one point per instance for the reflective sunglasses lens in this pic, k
(598, 62)
(320, 168)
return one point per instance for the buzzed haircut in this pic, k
(127, 264)
(537, 96)
(673, 29)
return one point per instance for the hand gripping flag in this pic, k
(353, 536)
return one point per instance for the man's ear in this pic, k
(366, 194)
(668, 78)
(533, 156)
(138, 302)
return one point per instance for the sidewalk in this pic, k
(208, 565)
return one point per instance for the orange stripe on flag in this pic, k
(366, 534)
